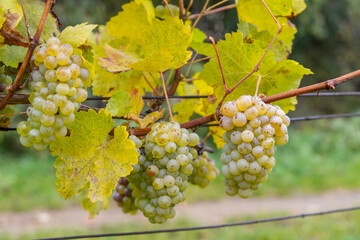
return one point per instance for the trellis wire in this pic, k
(295, 119)
(276, 219)
(333, 94)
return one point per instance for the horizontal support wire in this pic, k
(276, 219)
(333, 94)
(294, 119)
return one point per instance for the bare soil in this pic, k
(203, 212)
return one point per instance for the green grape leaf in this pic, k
(77, 35)
(100, 162)
(130, 23)
(94, 208)
(217, 135)
(254, 12)
(165, 46)
(298, 6)
(184, 116)
(17, 54)
(149, 8)
(148, 119)
(198, 44)
(238, 58)
(136, 101)
(119, 104)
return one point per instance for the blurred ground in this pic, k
(205, 212)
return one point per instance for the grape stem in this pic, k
(167, 5)
(257, 85)
(26, 22)
(33, 43)
(12, 114)
(213, 11)
(166, 96)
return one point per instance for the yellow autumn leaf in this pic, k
(86, 157)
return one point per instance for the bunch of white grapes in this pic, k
(5, 80)
(204, 171)
(56, 93)
(123, 195)
(161, 175)
(253, 129)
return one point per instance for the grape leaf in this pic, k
(254, 12)
(217, 134)
(198, 44)
(149, 8)
(9, 34)
(77, 35)
(136, 101)
(298, 6)
(165, 46)
(119, 104)
(99, 162)
(94, 208)
(239, 58)
(148, 119)
(130, 23)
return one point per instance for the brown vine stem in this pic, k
(213, 11)
(181, 9)
(177, 79)
(326, 85)
(167, 5)
(33, 43)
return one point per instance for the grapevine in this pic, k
(127, 150)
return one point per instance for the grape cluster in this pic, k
(253, 129)
(123, 195)
(57, 91)
(161, 175)
(204, 171)
(5, 81)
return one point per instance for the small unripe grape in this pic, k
(37, 76)
(81, 94)
(60, 132)
(76, 59)
(40, 53)
(282, 140)
(53, 40)
(25, 141)
(62, 58)
(35, 136)
(78, 83)
(49, 108)
(75, 70)
(239, 119)
(243, 102)
(47, 120)
(247, 136)
(23, 128)
(50, 76)
(68, 119)
(193, 139)
(251, 113)
(62, 89)
(66, 48)
(63, 74)
(50, 62)
(226, 123)
(67, 109)
(230, 109)
(53, 49)
(60, 100)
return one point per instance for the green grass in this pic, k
(320, 156)
(335, 226)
